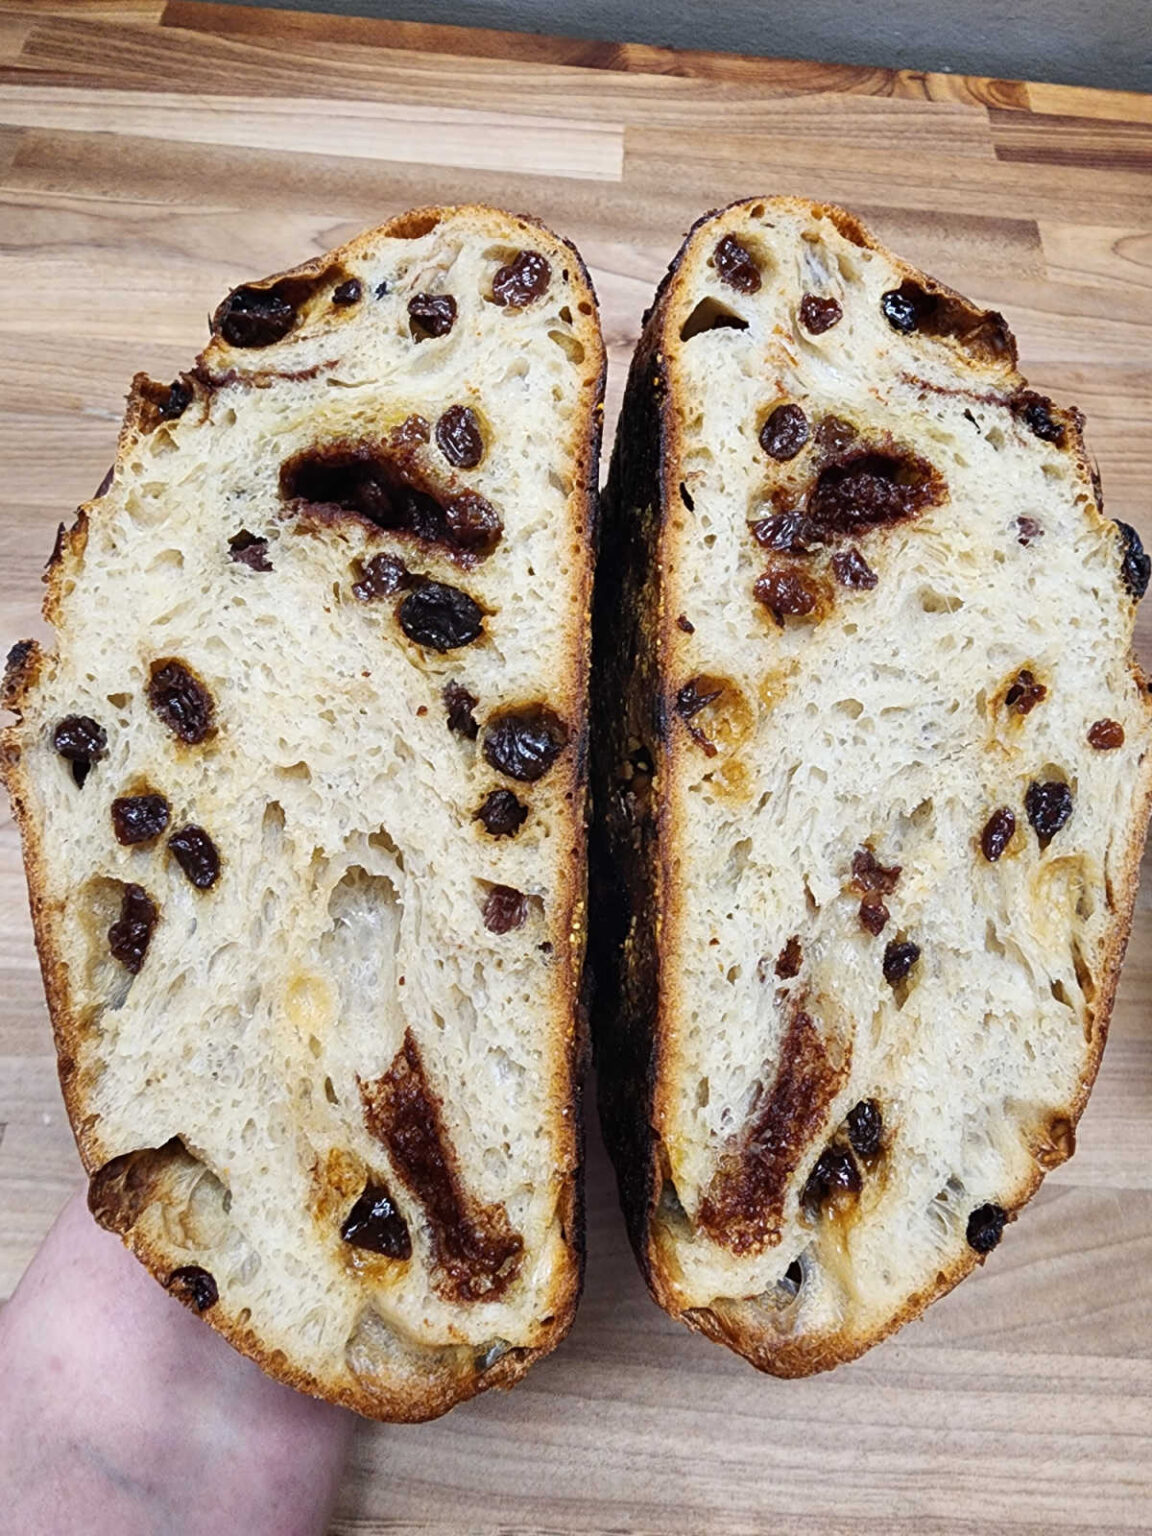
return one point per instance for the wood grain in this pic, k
(153, 155)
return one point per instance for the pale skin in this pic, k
(123, 1414)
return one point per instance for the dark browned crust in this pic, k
(445, 1390)
(631, 843)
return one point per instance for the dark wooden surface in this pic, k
(152, 155)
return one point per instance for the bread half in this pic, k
(301, 789)
(872, 784)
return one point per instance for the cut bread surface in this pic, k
(302, 796)
(871, 786)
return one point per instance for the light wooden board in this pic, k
(152, 155)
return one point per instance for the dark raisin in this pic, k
(350, 292)
(380, 577)
(899, 958)
(834, 434)
(865, 1128)
(784, 591)
(440, 617)
(196, 854)
(793, 1277)
(784, 433)
(835, 1174)
(459, 704)
(375, 1223)
(194, 1286)
(502, 814)
(791, 531)
(1135, 566)
(790, 959)
(525, 743)
(818, 315)
(81, 741)
(176, 401)
(525, 278)
(870, 489)
(505, 909)
(685, 623)
(852, 570)
(868, 874)
(1024, 694)
(900, 311)
(1027, 529)
(473, 522)
(1049, 806)
(986, 1227)
(736, 266)
(381, 288)
(255, 317)
(1035, 411)
(874, 914)
(431, 314)
(998, 832)
(104, 487)
(129, 936)
(181, 700)
(139, 818)
(694, 695)
(250, 550)
(458, 437)
(412, 430)
(1106, 735)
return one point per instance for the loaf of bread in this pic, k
(301, 790)
(871, 787)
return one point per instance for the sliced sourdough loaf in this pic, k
(301, 789)
(872, 783)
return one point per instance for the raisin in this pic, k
(834, 434)
(735, 265)
(986, 1227)
(381, 577)
(181, 700)
(868, 874)
(998, 832)
(250, 550)
(458, 437)
(129, 936)
(865, 1128)
(1049, 806)
(1106, 735)
(900, 311)
(791, 531)
(81, 741)
(1024, 694)
(899, 958)
(835, 1173)
(255, 317)
(350, 292)
(874, 914)
(194, 1286)
(104, 487)
(694, 695)
(790, 959)
(784, 433)
(459, 704)
(1035, 411)
(685, 623)
(505, 909)
(870, 489)
(525, 743)
(524, 278)
(1027, 529)
(175, 401)
(785, 591)
(139, 818)
(381, 288)
(375, 1223)
(818, 315)
(502, 814)
(793, 1277)
(440, 617)
(196, 854)
(1135, 566)
(412, 430)
(473, 522)
(852, 570)
(431, 314)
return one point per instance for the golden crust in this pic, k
(632, 860)
(444, 1391)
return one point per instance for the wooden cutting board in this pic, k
(153, 155)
